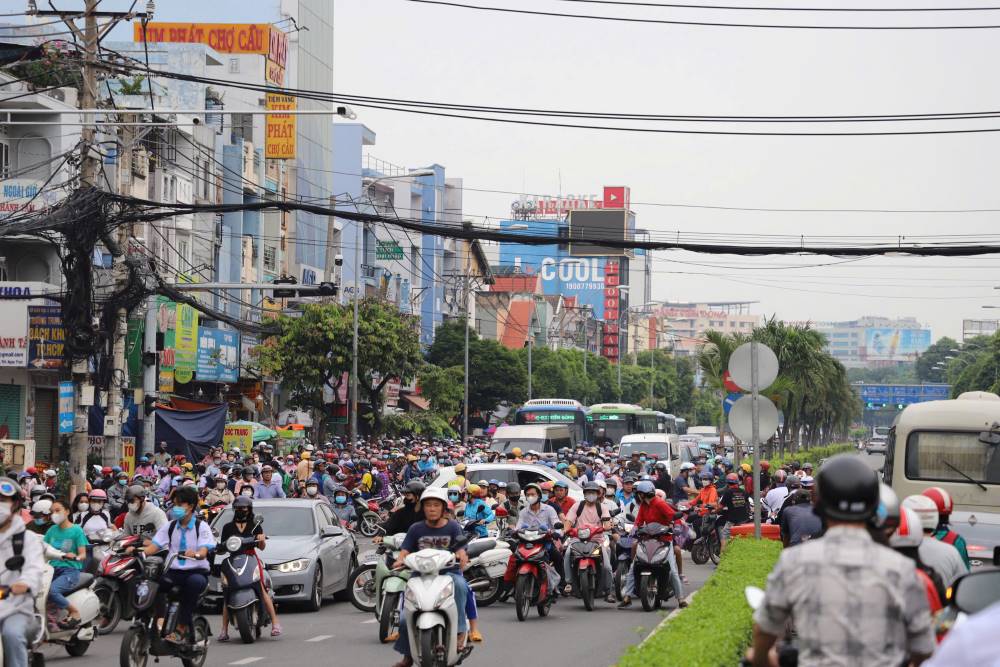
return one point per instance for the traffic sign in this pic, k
(739, 366)
(727, 404)
(66, 407)
(388, 250)
(741, 418)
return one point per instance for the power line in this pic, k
(712, 24)
(675, 5)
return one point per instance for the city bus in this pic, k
(556, 411)
(953, 444)
(682, 425)
(666, 423)
(611, 421)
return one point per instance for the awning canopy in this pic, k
(419, 402)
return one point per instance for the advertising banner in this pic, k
(128, 455)
(280, 128)
(186, 352)
(66, 409)
(887, 344)
(260, 38)
(46, 337)
(218, 356)
(238, 436)
(166, 321)
(13, 333)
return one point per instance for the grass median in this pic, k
(715, 630)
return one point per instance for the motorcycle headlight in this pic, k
(293, 566)
(446, 594)
(660, 556)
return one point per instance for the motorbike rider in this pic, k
(187, 540)
(456, 496)
(243, 525)
(41, 515)
(541, 516)
(514, 502)
(734, 505)
(22, 556)
(591, 514)
(652, 509)
(834, 589)
(67, 537)
(435, 532)
(406, 514)
(682, 488)
(219, 492)
(798, 520)
(944, 558)
(270, 485)
(91, 515)
(312, 491)
(906, 540)
(944, 531)
(142, 518)
(343, 509)
(117, 493)
(477, 510)
(561, 498)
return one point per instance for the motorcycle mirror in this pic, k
(996, 556)
(754, 596)
(976, 591)
(258, 518)
(630, 518)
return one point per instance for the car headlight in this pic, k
(446, 594)
(293, 565)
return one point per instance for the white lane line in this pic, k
(246, 661)
(374, 620)
(319, 638)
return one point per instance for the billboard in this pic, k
(610, 224)
(46, 337)
(889, 344)
(218, 355)
(582, 278)
(279, 143)
(877, 396)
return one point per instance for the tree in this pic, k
(936, 354)
(448, 348)
(388, 348)
(496, 376)
(443, 387)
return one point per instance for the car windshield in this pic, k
(952, 456)
(507, 444)
(278, 521)
(659, 450)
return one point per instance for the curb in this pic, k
(669, 616)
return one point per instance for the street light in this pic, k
(357, 289)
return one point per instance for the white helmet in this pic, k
(434, 493)
(43, 506)
(925, 508)
(908, 533)
(687, 466)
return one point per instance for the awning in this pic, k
(419, 402)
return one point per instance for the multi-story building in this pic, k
(875, 341)
(685, 324)
(975, 328)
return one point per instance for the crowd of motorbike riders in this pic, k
(168, 501)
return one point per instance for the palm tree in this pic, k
(713, 360)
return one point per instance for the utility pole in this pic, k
(465, 395)
(354, 342)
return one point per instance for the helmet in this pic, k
(243, 502)
(516, 451)
(745, 467)
(687, 465)
(98, 494)
(705, 474)
(475, 491)
(645, 487)
(547, 485)
(886, 517)
(925, 508)
(591, 486)
(460, 468)
(765, 465)
(908, 533)
(562, 466)
(942, 499)
(661, 494)
(121, 475)
(661, 465)
(780, 476)
(415, 486)
(434, 493)
(43, 506)
(8, 489)
(793, 482)
(807, 482)
(135, 491)
(848, 489)
(560, 484)
(494, 482)
(732, 478)
(533, 487)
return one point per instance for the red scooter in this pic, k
(531, 571)
(118, 575)
(586, 564)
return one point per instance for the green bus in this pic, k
(611, 421)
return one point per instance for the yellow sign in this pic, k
(238, 436)
(185, 343)
(259, 38)
(280, 144)
(128, 455)
(166, 381)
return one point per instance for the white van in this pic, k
(661, 446)
(542, 439)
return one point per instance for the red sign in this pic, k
(612, 304)
(730, 386)
(616, 196)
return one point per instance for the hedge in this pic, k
(813, 455)
(715, 629)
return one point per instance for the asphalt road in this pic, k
(339, 634)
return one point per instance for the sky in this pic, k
(395, 48)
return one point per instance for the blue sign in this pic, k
(580, 277)
(887, 344)
(898, 396)
(65, 407)
(218, 355)
(730, 399)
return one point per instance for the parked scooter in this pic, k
(652, 567)
(431, 612)
(708, 544)
(241, 574)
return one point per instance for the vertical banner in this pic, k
(280, 136)
(65, 407)
(186, 354)
(46, 337)
(238, 436)
(128, 455)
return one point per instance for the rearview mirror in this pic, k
(616, 511)
(630, 518)
(996, 556)
(258, 518)
(991, 437)
(331, 531)
(558, 526)
(975, 591)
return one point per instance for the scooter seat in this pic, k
(480, 547)
(85, 581)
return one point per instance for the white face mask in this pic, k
(312, 490)
(83, 507)
(531, 499)
(133, 507)
(5, 511)
(247, 492)
(58, 518)
(97, 507)
(220, 485)
(590, 497)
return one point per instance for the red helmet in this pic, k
(732, 478)
(174, 470)
(941, 498)
(765, 465)
(106, 470)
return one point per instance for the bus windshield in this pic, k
(611, 430)
(952, 456)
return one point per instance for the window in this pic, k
(234, 65)
(950, 456)
(525, 477)
(270, 258)
(182, 252)
(505, 476)
(4, 159)
(242, 127)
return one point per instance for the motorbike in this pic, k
(707, 543)
(368, 515)
(153, 603)
(622, 553)
(488, 557)
(651, 567)
(35, 657)
(788, 651)
(431, 612)
(532, 567)
(241, 575)
(116, 579)
(390, 584)
(586, 565)
(209, 513)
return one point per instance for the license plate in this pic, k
(369, 557)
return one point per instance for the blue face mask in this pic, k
(340, 500)
(40, 522)
(545, 497)
(453, 498)
(177, 512)
(123, 482)
(642, 458)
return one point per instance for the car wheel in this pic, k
(316, 600)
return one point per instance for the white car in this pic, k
(522, 473)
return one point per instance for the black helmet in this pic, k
(513, 488)
(414, 486)
(848, 489)
(135, 491)
(242, 503)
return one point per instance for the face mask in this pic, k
(340, 500)
(642, 459)
(220, 485)
(609, 494)
(242, 516)
(531, 499)
(83, 507)
(122, 482)
(58, 518)
(133, 507)
(590, 497)
(545, 497)
(216, 463)
(97, 507)
(40, 522)
(246, 492)
(453, 497)
(178, 512)
(5, 511)
(312, 490)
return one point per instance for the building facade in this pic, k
(871, 342)
(685, 324)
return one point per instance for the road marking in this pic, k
(319, 638)
(374, 620)
(245, 661)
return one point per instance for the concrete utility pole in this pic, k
(465, 395)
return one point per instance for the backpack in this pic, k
(377, 483)
(16, 562)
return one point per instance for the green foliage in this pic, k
(937, 353)
(812, 455)
(429, 424)
(901, 374)
(388, 347)
(715, 629)
(976, 367)
(443, 387)
(133, 87)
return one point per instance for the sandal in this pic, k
(275, 630)
(476, 636)
(223, 636)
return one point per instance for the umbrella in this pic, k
(260, 432)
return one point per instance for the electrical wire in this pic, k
(676, 5)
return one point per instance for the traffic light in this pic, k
(326, 289)
(284, 293)
(899, 406)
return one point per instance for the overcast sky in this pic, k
(394, 48)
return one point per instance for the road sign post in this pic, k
(755, 439)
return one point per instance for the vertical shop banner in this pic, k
(166, 322)
(280, 136)
(13, 333)
(128, 455)
(218, 356)
(46, 337)
(186, 344)
(66, 409)
(238, 436)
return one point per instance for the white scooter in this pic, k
(431, 613)
(488, 558)
(75, 640)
